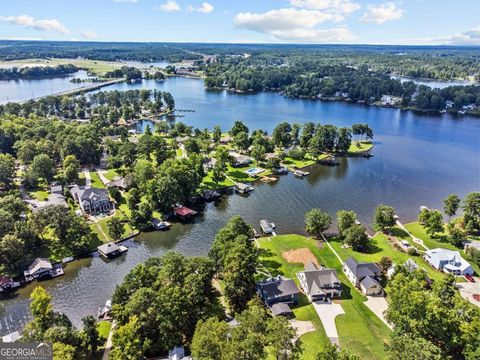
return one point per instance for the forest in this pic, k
(37, 72)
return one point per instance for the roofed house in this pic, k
(281, 309)
(319, 284)
(278, 290)
(240, 160)
(39, 268)
(92, 200)
(448, 261)
(365, 276)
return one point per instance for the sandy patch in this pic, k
(303, 255)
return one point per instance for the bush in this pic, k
(297, 154)
(412, 251)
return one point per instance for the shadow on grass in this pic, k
(397, 232)
(372, 247)
(267, 259)
(346, 292)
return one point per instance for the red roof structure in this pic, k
(183, 211)
(5, 280)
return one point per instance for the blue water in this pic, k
(418, 160)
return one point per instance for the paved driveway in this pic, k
(327, 312)
(378, 305)
(302, 327)
(467, 289)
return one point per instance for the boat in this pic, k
(67, 259)
(105, 309)
(267, 226)
(367, 154)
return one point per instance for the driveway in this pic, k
(88, 179)
(467, 289)
(302, 327)
(327, 312)
(378, 305)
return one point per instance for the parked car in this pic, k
(470, 278)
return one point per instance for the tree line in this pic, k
(36, 72)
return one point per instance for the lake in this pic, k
(21, 90)
(418, 160)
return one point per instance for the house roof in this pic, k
(183, 211)
(278, 287)
(88, 193)
(39, 264)
(280, 309)
(5, 280)
(438, 257)
(318, 279)
(369, 282)
(108, 248)
(117, 182)
(362, 270)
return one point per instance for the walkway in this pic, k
(88, 179)
(108, 345)
(415, 239)
(302, 327)
(378, 305)
(327, 312)
(101, 174)
(332, 249)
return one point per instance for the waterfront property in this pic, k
(365, 276)
(183, 212)
(319, 284)
(448, 261)
(39, 268)
(278, 290)
(267, 227)
(92, 200)
(111, 250)
(242, 188)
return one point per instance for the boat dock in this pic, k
(268, 228)
(300, 173)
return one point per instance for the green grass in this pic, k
(360, 146)
(96, 66)
(208, 182)
(96, 182)
(300, 164)
(360, 331)
(111, 173)
(40, 193)
(103, 328)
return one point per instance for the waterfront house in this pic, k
(448, 261)
(278, 290)
(92, 200)
(319, 284)
(365, 276)
(111, 250)
(39, 268)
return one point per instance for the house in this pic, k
(39, 268)
(240, 160)
(448, 261)
(6, 282)
(118, 182)
(278, 290)
(319, 284)
(55, 197)
(365, 276)
(281, 309)
(92, 200)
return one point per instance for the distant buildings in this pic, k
(319, 284)
(92, 200)
(365, 276)
(448, 261)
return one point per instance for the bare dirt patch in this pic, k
(303, 255)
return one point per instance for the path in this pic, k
(101, 174)
(415, 239)
(302, 327)
(108, 345)
(88, 179)
(327, 312)
(378, 305)
(333, 250)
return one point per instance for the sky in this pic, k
(409, 22)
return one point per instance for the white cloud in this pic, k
(90, 35)
(340, 6)
(469, 37)
(382, 13)
(296, 25)
(41, 25)
(205, 8)
(169, 6)
(23, 38)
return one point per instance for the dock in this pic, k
(300, 173)
(160, 225)
(111, 250)
(242, 188)
(267, 227)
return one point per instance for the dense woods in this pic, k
(36, 72)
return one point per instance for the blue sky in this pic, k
(452, 22)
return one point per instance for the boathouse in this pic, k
(267, 226)
(39, 268)
(109, 250)
(184, 212)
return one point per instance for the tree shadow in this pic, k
(397, 232)
(267, 259)
(346, 292)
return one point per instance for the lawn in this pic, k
(96, 182)
(300, 164)
(360, 146)
(97, 66)
(39, 193)
(208, 182)
(111, 173)
(360, 331)
(103, 328)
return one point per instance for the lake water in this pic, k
(418, 160)
(21, 90)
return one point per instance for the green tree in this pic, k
(90, 338)
(43, 167)
(218, 173)
(63, 351)
(282, 134)
(217, 134)
(345, 219)
(12, 253)
(384, 217)
(456, 235)
(406, 347)
(332, 352)
(451, 205)
(71, 167)
(316, 222)
(471, 209)
(241, 140)
(423, 216)
(127, 344)
(434, 223)
(258, 153)
(115, 228)
(7, 170)
(238, 127)
(356, 237)
(385, 262)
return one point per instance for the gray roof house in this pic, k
(319, 284)
(38, 268)
(448, 261)
(365, 276)
(92, 200)
(277, 290)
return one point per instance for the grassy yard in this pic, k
(111, 173)
(208, 183)
(360, 146)
(96, 182)
(103, 328)
(40, 193)
(96, 66)
(360, 331)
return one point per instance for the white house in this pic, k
(319, 284)
(448, 261)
